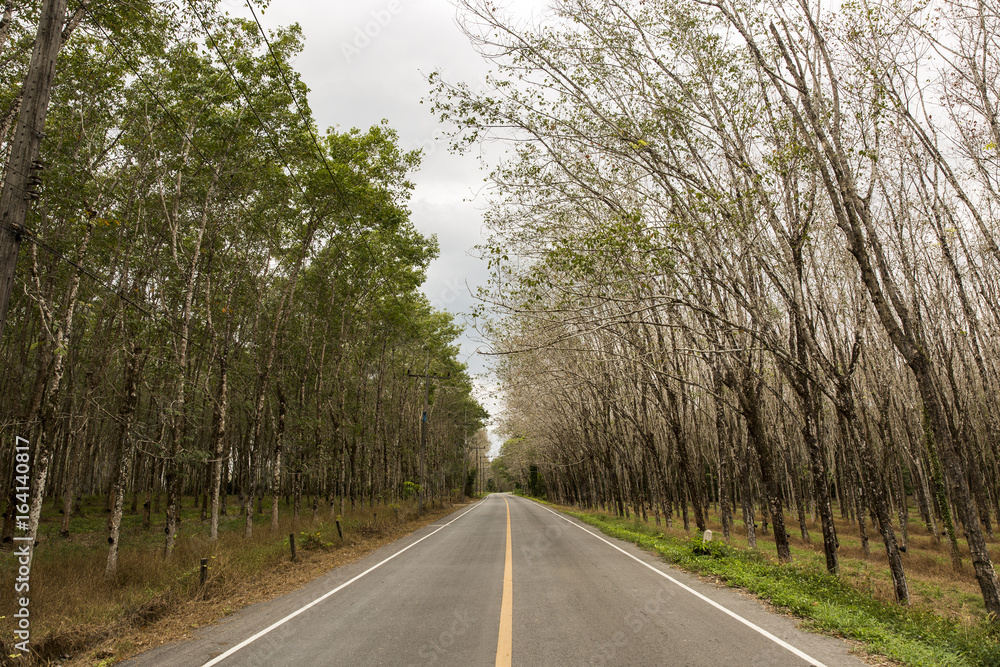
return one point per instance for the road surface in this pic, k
(505, 581)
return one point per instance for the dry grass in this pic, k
(79, 618)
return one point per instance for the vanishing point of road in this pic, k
(505, 581)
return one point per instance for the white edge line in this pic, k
(749, 624)
(216, 660)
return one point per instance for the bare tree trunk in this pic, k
(688, 473)
(748, 396)
(72, 442)
(873, 491)
(263, 380)
(724, 447)
(276, 470)
(177, 424)
(43, 449)
(126, 454)
(937, 432)
(24, 150)
(218, 441)
(746, 493)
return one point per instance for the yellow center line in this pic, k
(506, 638)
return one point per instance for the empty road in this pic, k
(505, 581)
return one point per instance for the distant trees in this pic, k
(745, 254)
(215, 298)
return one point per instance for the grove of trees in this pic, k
(212, 297)
(746, 253)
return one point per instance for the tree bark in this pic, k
(124, 463)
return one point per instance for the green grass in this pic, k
(911, 635)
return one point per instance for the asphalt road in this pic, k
(505, 581)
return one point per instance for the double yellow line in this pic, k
(506, 638)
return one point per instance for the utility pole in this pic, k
(482, 470)
(465, 453)
(21, 176)
(427, 376)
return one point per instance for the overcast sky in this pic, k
(365, 60)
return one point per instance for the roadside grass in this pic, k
(854, 605)
(80, 618)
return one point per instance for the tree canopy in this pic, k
(215, 297)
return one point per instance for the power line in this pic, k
(253, 110)
(27, 235)
(166, 319)
(378, 268)
(295, 100)
(204, 162)
(344, 200)
(158, 317)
